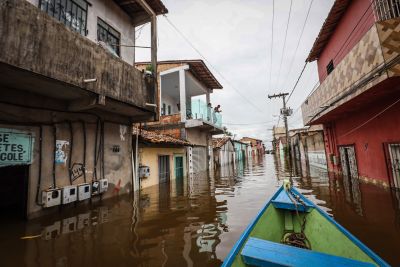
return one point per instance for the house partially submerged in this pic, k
(70, 92)
(358, 99)
(187, 112)
(224, 151)
(161, 158)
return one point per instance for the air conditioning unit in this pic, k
(144, 171)
(52, 231)
(69, 225)
(95, 188)
(84, 191)
(70, 194)
(103, 185)
(51, 197)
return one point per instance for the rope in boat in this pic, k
(299, 240)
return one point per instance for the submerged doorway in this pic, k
(163, 169)
(14, 191)
(179, 174)
(349, 162)
(394, 153)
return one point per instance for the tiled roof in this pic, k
(219, 142)
(198, 68)
(334, 16)
(157, 138)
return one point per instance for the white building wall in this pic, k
(113, 15)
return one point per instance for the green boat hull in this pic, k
(324, 234)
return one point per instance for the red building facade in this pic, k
(358, 100)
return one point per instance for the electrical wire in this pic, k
(343, 45)
(284, 43)
(299, 40)
(272, 43)
(206, 60)
(371, 119)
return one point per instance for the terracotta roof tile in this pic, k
(157, 138)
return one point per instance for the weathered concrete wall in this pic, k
(33, 41)
(114, 16)
(117, 165)
(148, 156)
(196, 136)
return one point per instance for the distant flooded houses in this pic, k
(357, 101)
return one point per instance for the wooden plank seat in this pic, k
(282, 201)
(263, 253)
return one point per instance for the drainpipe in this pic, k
(153, 16)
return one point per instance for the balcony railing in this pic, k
(386, 9)
(39, 45)
(200, 110)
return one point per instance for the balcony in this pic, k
(368, 69)
(200, 111)
(40, 55)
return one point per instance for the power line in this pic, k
(255, 123)
(205, 59)
(284, 43)
(272, 43)
(343, 45)
(300, 37)
(371, 119)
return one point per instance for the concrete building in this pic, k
(357, 102)
(224, 151)
(161, 158)
(186, 108)
(69, 95)
(308, 151)
(240, 150)
(278, 133)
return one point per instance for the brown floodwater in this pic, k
(194, 222)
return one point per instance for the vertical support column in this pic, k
(182, 94)
(208, 100)
(153, 16)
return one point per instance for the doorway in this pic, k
(14, 191)
(349, 161)
(163, 169)
(394, 154)
(179, 174)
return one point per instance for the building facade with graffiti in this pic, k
(65, 119)
(357, 102)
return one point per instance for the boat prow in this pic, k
(291, 230)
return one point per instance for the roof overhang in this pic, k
(137, 13)
(334, 16)
(197, 67)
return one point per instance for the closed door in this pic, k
(163, 169)
(394, 152)
(179, 167)
(349, 161)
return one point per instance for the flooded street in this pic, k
(193, 223)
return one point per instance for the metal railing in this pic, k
(200, 110)
(386, 9)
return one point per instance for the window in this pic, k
(108, 35)
(330, 67)
(169, 110)
(73, 13)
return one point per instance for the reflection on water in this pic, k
(194, 221)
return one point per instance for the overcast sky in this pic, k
(235, 36)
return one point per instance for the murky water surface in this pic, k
(193, 223)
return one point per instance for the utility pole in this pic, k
(285, 112)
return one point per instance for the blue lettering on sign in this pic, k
(15, 147)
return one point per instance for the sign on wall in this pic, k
(15, 148)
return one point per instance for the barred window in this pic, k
(73, 13)
(108, 35)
